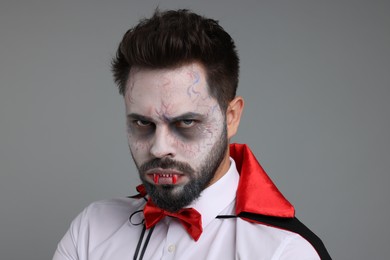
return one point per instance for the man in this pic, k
(200, 197)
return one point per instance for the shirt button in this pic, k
(171, 248)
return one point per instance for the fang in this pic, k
(155, 178)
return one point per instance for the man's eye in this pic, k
(142, 123)
(187, 123)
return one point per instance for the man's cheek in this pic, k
(139, 149)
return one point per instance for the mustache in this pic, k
(166, 163)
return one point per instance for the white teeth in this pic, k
(163, 175)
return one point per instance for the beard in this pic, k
(175, 197)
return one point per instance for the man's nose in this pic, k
(162, 143)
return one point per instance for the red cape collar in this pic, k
(256, 192)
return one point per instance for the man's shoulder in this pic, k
(270, 233)
(125, 202)
(116, 209)
(273, 241)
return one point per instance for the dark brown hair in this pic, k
(173, 38)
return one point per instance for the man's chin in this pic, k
(167, 196)
(163, 190)
(173, 191)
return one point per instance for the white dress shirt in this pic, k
(112, 229)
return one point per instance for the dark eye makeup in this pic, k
(188, 127)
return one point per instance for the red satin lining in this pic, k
(256, 192)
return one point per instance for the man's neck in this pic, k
(222, 169)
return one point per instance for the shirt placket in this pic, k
(174, 235)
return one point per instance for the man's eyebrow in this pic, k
(185, 116)
(134, 116)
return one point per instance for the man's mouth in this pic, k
(161, 178)
(164, 178)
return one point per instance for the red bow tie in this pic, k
(189, 218)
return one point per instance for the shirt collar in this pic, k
(217, 196)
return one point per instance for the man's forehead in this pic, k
(189, 78)
(169, 93)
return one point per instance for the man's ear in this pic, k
(233, 115)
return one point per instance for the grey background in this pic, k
(315, 76)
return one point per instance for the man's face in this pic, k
(176, 133)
